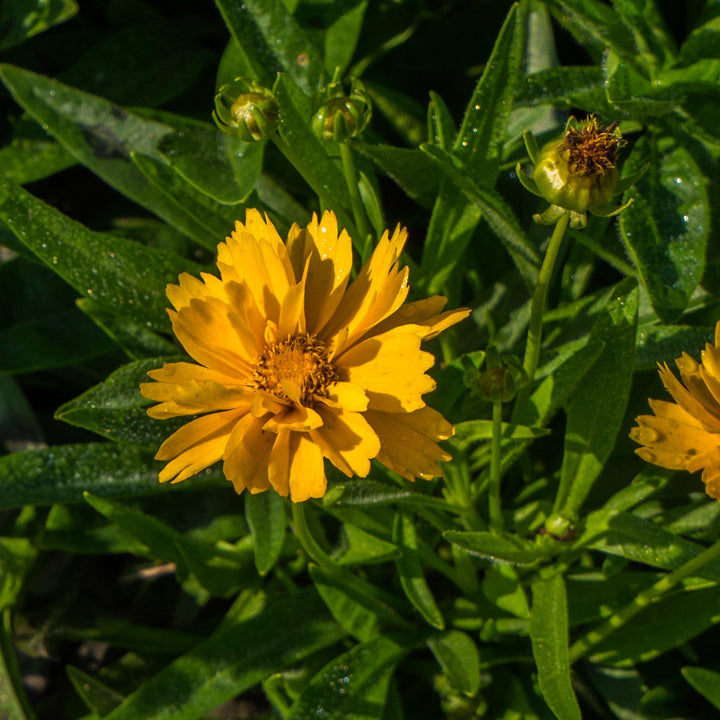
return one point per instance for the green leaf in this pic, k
(596, 408)
(271, 41)
(441, 126)
(596, 26)
(402, 112)
(499, 546)
(218, 570)
(360, 621)
(218, 165)
(502, 587)
(664, 343)
(63, 472)
(342, 36)
(40, 326)
(706, 682)
(479, 144)
(549, 635)
(458, 656)
(412, 170)
(100, 135)
(665, 230)
(237, 656)
(207, 220)
(666, 624)
(361, 548)
(265, 514)
(97, 696)
(116, 272)
(135, 338)
(473, 430)
(32, 155)
(495, 210)
(21, 19)
(115, 409)
(633, 538)
(410, 571)
(309, 155)
(578, 86)
(353, 686)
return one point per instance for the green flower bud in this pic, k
(577, 173)
(339, 116)
(501, 379)
(246, 109)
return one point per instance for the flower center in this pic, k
(296, 368)
(590, 149)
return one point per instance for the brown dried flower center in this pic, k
(297, 366)
(591, 149)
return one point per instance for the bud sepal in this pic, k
(339, 116)
(246, 109)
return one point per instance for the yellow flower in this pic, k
(686, 435)
(295, 363)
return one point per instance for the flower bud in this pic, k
(577, 173)
(339, 116)
(246, 109)
(501, 379)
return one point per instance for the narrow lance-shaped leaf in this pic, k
(265, 514)
(549, 635)
(596, 408)
(458, 655)
(119, 273)
(665, 230)
(271, 41)
(21, 20)
(235, 657)
(62, 473)
(114, 408)
(411, 575)
(706, 682)
(102, 136)
(499, 546)
(479, 143)
(353, 685)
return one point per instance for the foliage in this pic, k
(125, 599)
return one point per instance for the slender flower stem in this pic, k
(537, 307)
(310, 545)
(588, 641)
(494, 503)
(351, 178)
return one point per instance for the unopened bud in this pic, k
(246, 109)
(340, 116)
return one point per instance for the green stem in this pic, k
(537, 307)
(494, 503)
(592, 638)
(310, 545)
(353, 185)
(15, 696)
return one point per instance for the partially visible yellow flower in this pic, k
(686, 435)
(295, 363)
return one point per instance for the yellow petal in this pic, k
(711, 479)
(424, 316)
(182, 373)
(349, 436)
(296, 418)
(196, 445)
(292, 312)
(391, 369)
(296, 467)
(687, 401)
(408, 441)
(307, 473)
(346, 396)
(193, 398)
(246, 455)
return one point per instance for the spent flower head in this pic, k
(577, 173)
(295, 364)
(685, 435)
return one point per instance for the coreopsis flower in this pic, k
(294, 363)
(577, 172)
(685, 435)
